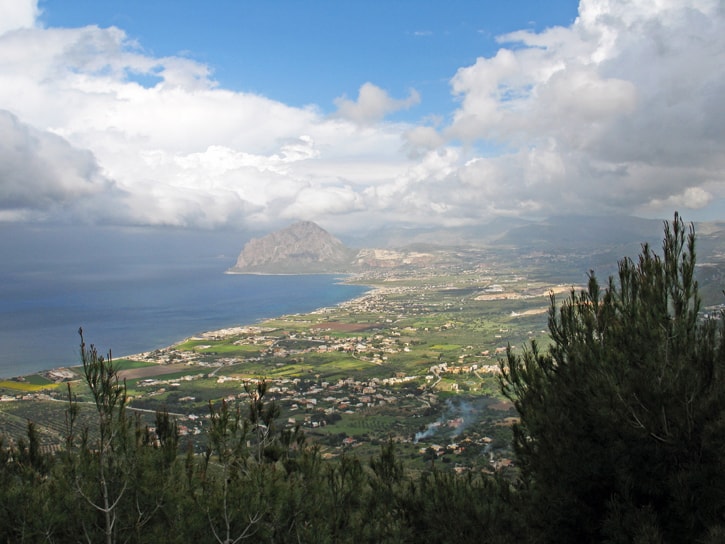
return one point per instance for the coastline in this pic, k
(229, 330)
(225, 332)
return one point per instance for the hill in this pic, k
(302, 248)
(584, 243)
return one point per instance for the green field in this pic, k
(383, 367)
(32, 384)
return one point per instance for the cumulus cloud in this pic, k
(421, 139)
(621, 111)
(180, 151)
(372, 104)
(620, 107)
(41, 173)
(15, 15)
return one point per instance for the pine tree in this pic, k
(622, 419)
(123, 476)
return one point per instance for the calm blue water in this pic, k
(136, 302)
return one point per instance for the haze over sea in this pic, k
(132, 291)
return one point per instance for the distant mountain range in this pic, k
(305, 247)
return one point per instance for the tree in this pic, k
(622, 420)
(244, 474)
(27, 508)
(121, 472)
(104, 453)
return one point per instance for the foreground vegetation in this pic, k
(619, 438)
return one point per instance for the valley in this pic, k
(415, 359)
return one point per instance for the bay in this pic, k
(133, 302)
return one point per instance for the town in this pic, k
(414, 360)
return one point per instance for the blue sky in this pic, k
(303, 53)
(356, 115)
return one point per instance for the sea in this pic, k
(131, 297)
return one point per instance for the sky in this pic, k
(254, 114)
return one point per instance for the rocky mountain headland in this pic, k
(307, 248)
(302, 248)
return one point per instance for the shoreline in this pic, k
(244, 327)
(137, 355)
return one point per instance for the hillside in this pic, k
(589, 243)
(302, 248)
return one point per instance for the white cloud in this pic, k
(313, 202)
(421, 139)
(624, 103)
(15, 15)
(693, 198)
(183, 152)
(622, 111)
(42, 174)
(372, 104)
